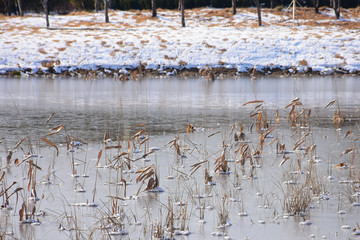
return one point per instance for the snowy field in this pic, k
(212, 37)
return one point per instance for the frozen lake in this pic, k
(81, 191)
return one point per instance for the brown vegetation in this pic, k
(140, 18)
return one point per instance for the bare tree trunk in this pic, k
(272, 4)
(331, 3)
(316, 5)
(46, 9)
(7, 7)
(153, 7)
(294, 9)
(106, 6)
(20, 8)
(336, 5)
(97, 5)
(258, 11)
(182, 13)
(234, 6)
(47, 14)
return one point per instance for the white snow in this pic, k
(133, 39)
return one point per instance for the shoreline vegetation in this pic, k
(209, 73)
(213, 44)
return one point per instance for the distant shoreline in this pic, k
(137, 72)
(213, 44)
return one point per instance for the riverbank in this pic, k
(214, 43)
(124, 74)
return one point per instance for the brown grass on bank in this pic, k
(311, 18)
(225, 12)
(95, 24)
(341, 24)
(42, 51)
(170, 58)
(338, 56)
(10, 27)
(140, 18)
(114, 52)
(79, 13)
(68, 43)
(4, 17)
(305, 14)
(303, 63)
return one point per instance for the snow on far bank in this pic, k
(212, 37)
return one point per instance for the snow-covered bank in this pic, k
(212, 37)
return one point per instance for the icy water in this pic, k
(79, 192)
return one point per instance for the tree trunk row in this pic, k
(333, 3)
(8, 6)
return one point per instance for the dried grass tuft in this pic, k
(303, 63)
(141, 18)
(42, 51)
(338, 56)
(68, 43)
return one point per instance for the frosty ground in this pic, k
(212, 38)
